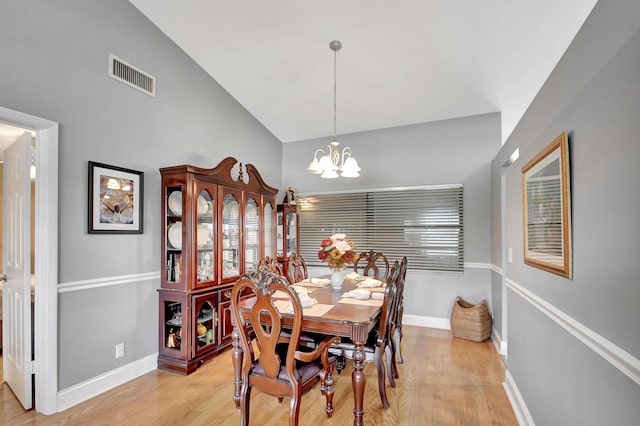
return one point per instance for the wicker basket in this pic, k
(471, 322)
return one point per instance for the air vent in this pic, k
(131, 76)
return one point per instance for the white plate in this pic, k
(203, 235)
(203, 206)
(174, 234)
(175, 202)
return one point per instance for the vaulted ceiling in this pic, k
(404, 62)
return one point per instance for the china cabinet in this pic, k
(217, 224)
(287, 230)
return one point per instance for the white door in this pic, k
(16, 260)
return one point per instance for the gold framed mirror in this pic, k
(546, 198)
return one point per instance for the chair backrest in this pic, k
(270, 265)
(372, 263)
(268, 332)
(297, 269)
(397, 275)
(400, 296)
(389, 306)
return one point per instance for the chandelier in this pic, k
(332, 162)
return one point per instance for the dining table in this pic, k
(332, 315)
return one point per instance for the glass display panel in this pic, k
(251, 232)
(173, 325)
(230, 236)
(292, 236)
(204, 237)
(205, 329)
(268, 230)
(174, 235)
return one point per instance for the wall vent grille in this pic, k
(131, 76)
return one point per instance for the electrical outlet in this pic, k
(119, 350)
(510, 254)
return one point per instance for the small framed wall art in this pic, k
(115, 199)
(547, 209)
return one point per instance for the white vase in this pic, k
(337, 279)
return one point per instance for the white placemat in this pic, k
(317, 310)
(368, 302)
(315, 282)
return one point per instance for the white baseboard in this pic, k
(517, 402)
(84, 391)
(501, 347)
(430, 322)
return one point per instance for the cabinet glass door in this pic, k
(251, 235)
(279, 236)
(172, 336)
(204, 237)
(205, 321)
(267, 221)
(230, 236)
(292, 234)
(173, 236)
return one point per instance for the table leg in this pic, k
(236, 357)
(358, 380)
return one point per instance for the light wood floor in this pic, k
(444, 381)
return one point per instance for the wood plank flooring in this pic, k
(444, 381)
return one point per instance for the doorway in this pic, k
(46, 256)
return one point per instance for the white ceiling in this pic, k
(403, 62)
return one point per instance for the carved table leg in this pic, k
(236, 357)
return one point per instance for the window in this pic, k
(423, 224)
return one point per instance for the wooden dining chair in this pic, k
(280, 366)
(400, 311)
(377, 344)
(297, 269)
(270, 264)
(372, 263)
(395, 325)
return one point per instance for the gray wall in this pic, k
(443, 152)
(594, 95)
(55, 57)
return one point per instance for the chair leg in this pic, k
(341, 363)
(326, 387)
(245, 398)
(398, 340)
(382, 388)
(391, 370)
(294, 408)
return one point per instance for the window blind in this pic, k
(424, 224)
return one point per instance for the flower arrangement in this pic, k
(337, 251)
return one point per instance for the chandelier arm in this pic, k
(346, 153)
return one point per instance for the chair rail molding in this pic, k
(618, 357)
(107, 281)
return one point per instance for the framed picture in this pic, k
(547, 209)
(115, 199)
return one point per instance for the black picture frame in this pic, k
(116, 199)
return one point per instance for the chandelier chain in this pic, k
(335, 91)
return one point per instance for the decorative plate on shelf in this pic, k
(203, 206)
(174, 234)
(203, 235)
(175, 203)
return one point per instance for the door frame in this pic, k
(46, 256)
